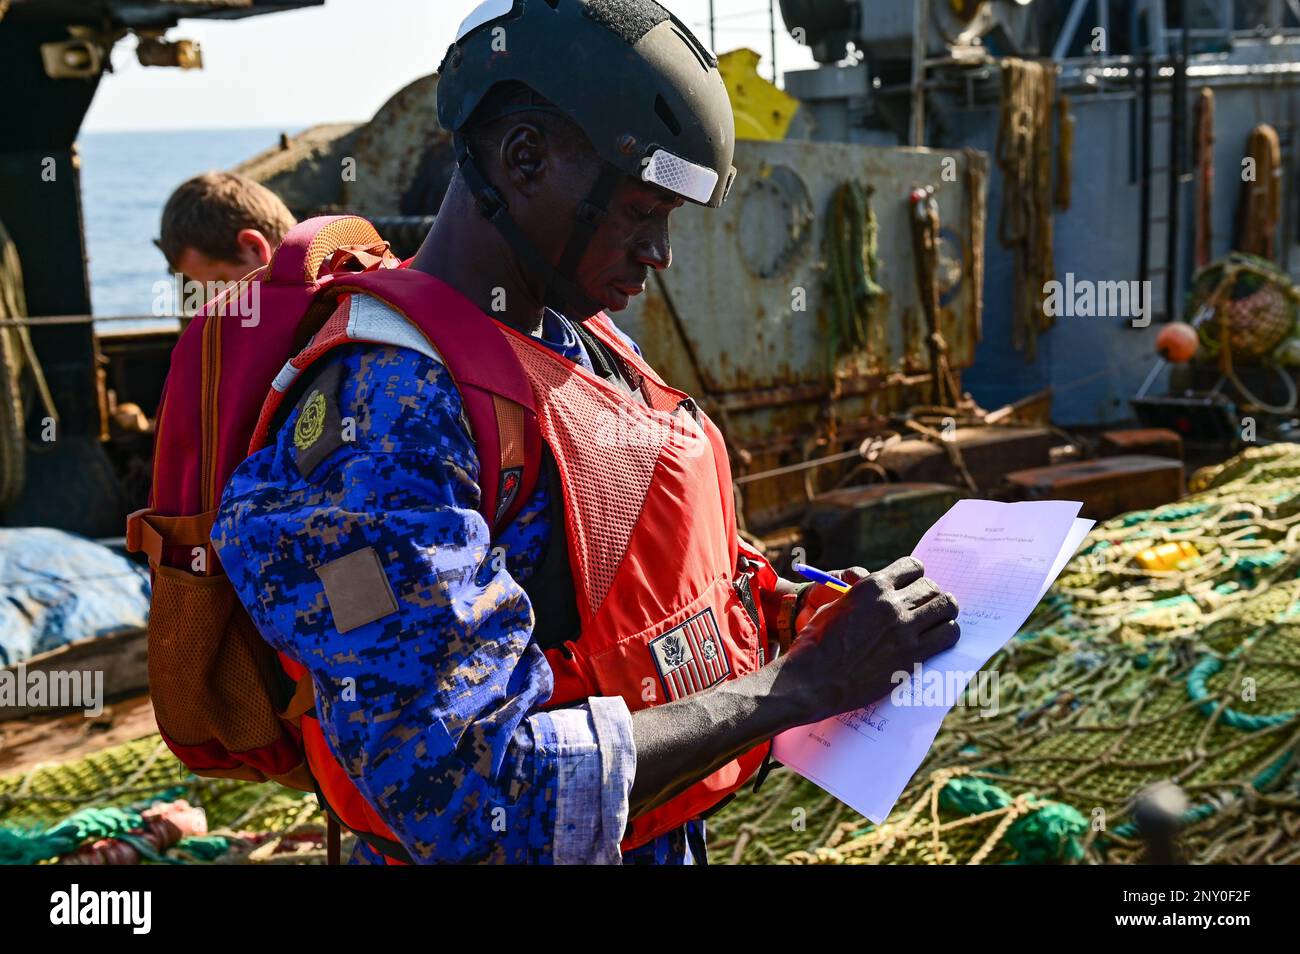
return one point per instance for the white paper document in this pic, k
(998, 560)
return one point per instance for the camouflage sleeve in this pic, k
(356, 545)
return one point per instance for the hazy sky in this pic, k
(257, 71)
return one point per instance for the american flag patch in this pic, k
(690, 656)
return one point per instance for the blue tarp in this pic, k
(57, 587)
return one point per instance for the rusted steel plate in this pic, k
(724, 323)
(735, 291)
(404, 159)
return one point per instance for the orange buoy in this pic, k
(1177, 342)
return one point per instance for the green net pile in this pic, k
(247, 821)
(1122, 678)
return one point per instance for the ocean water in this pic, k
(126, 178)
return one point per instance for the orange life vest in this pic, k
(649, 522)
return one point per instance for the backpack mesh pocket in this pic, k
(215, 683)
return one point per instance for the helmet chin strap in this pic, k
(560, 290)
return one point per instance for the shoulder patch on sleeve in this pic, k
(357, 589)
(318, 431)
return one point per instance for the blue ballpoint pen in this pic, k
(820, 576)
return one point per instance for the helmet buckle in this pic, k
(490, 202)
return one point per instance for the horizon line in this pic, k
(291, 128)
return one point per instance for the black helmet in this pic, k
(633, 77)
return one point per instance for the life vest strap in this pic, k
(385, 846)
(303, 700)
(149, 532)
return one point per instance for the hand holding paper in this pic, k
(998, 560)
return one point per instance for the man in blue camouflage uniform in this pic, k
(429, 696)
(412, 462)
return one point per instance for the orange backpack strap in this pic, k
(150, 533)
(516, 470)
(495, 392)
